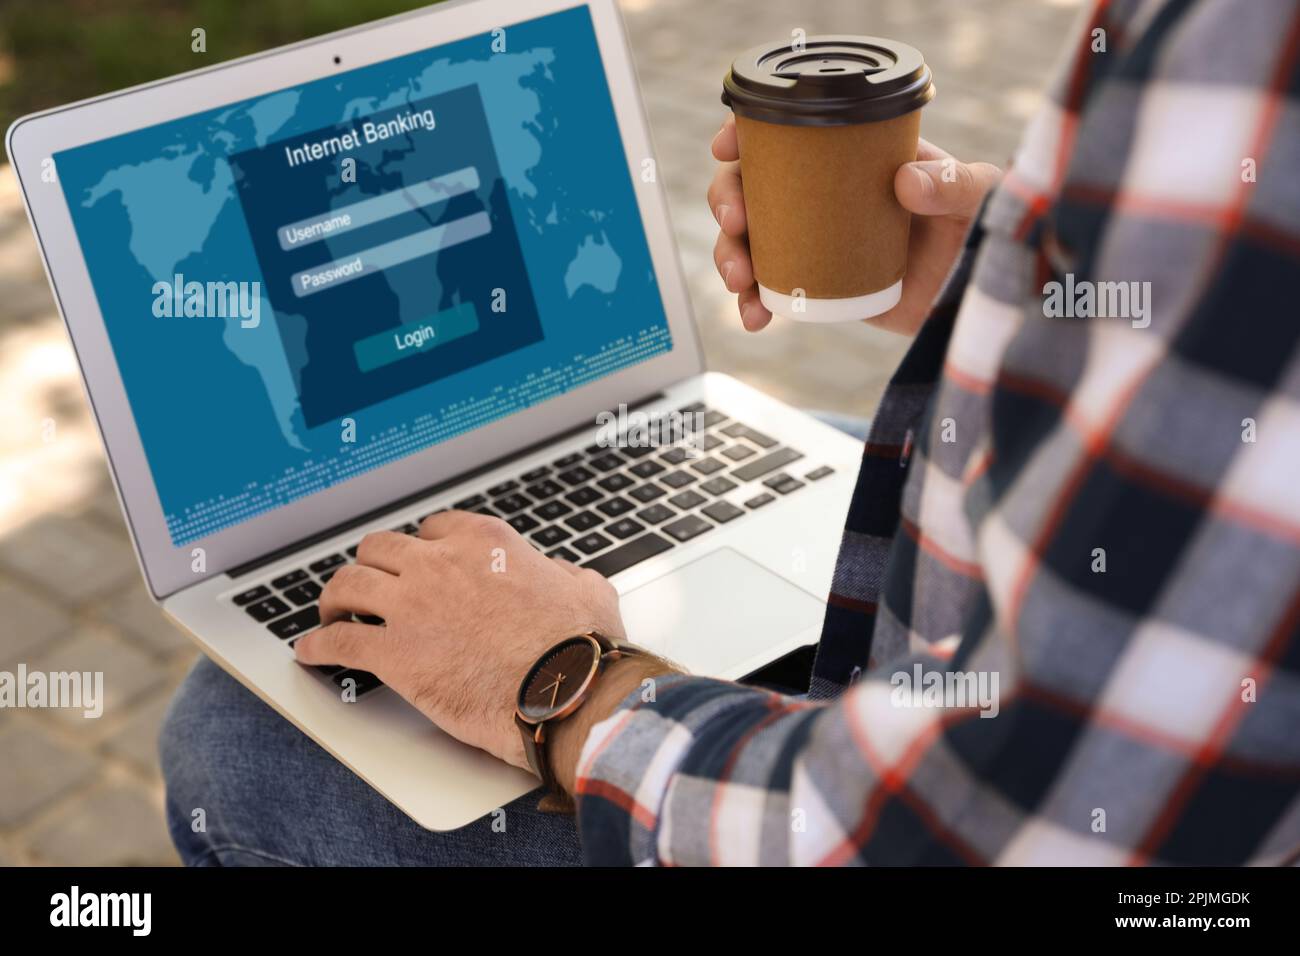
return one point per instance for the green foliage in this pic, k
(54, 52)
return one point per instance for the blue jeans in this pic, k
(247, 788)
(270, 796)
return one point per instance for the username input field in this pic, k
(377, 258)
(366, 212)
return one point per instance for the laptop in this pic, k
(421, 264)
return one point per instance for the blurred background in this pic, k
(88, 792)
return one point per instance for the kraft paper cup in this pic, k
(822, 131)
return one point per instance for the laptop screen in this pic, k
(305, 286)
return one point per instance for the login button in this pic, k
(415, 338)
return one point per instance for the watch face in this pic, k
(558, 677)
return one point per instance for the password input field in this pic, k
(378, 258)
(365, 212)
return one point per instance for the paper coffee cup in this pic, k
(823, 127)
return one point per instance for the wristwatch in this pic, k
(552, 690)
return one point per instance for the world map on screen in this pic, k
(432, 242)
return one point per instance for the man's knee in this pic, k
(244, 785)
(180, 753)
(191, 728)
(205, 728)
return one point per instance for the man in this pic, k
(1080, 484)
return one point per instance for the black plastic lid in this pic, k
(829, 81)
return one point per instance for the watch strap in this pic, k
(556, 800)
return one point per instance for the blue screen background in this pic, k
(218, 404)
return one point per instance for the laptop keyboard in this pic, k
(602, 508)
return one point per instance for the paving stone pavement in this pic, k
(39, 770)
(77, 835)
(88, 791)
(31, 622)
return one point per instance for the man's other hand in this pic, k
(941, 193)
(468, 607)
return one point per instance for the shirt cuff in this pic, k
(629, 760)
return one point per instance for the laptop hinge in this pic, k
(250, 566)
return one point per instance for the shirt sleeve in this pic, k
(707, 772)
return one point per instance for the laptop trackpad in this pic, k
(717, 612)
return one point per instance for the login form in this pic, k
(390, 236)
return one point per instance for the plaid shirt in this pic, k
(1103, 512)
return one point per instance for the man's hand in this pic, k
(942, 207)
(468, 607)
